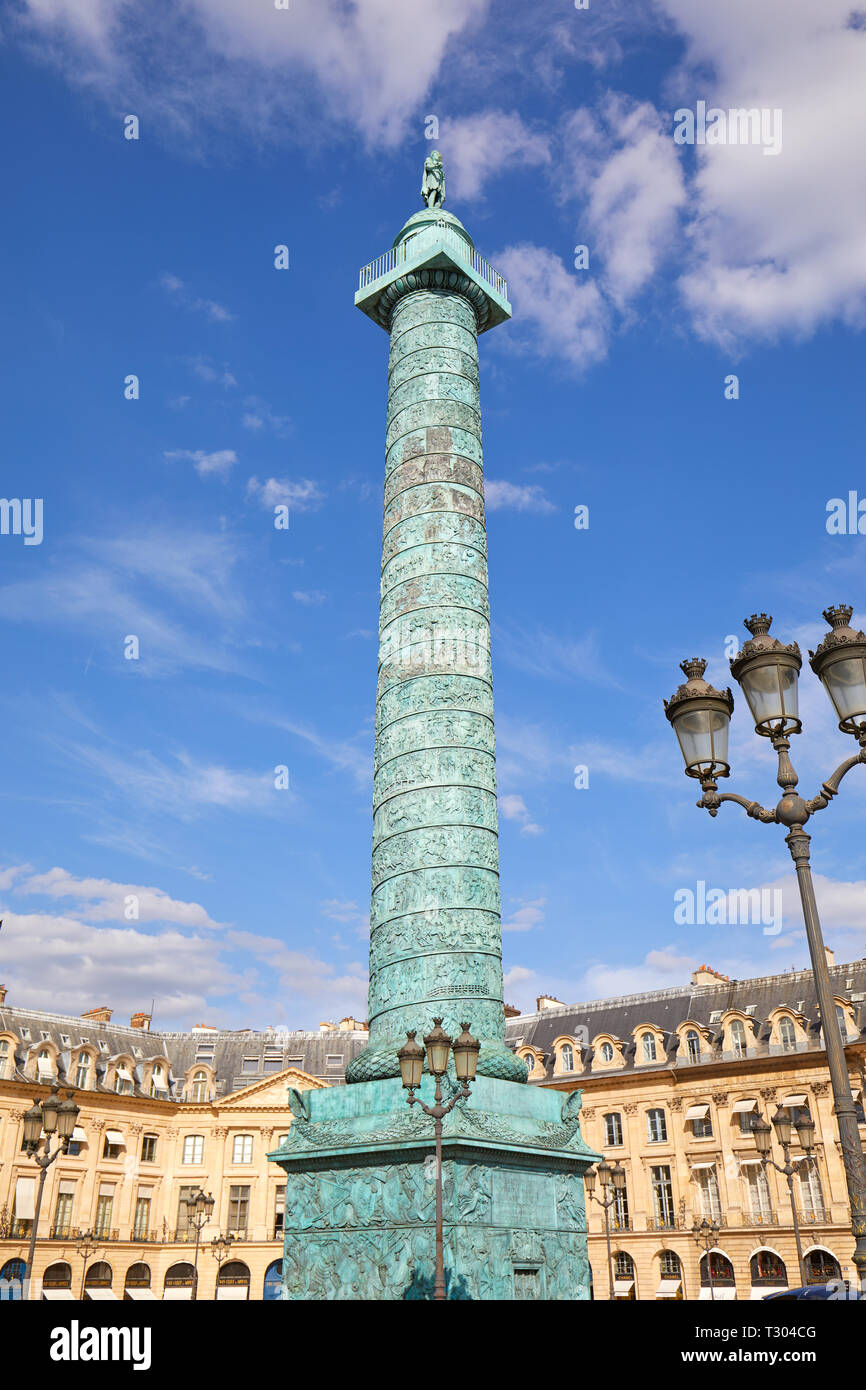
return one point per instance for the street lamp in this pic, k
(411, 1058)
(611, 1175)
(49, 1116)
(706, 1238)
(768, 671)
(86, 1245)
(198, 1209)
(220, 1248)
(783, 1126)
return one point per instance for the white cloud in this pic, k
(106, 901)
(513, 807)
(302, 495)
(499, 495)
(626, 164)
(205, 370)
(183, 787)
(220, 462)
(488, 145)
(558, 315)
(310, 597)
(526, 916)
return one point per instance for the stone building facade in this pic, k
(162, 1114)
(672, 1081)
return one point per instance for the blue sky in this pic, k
(153, 779)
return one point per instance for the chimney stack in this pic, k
(2, 994)
(100, 1015)
(831, 956)
(141, 1021)
(547, 1001)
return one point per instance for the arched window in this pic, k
(178, 1282)
(273, 1281)
(82, 1072)
(821, 1267)
(157, 1080)
(12, 1281)
(45, 1070)
(530, 1062)
(671, 1275)
(233, 1280)
(787, 1034)
(566, 1057)
(693, 1044)
(607, 1052)
(738, 1038)
(199, 1086)
(648, 1045)
(721, 1268)
(768, 1270)
(623, 1275)
(842, 1021)
(57, 1276)
(137, 1278)
(613, 1130)
(98, 1276)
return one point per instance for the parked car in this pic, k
(836, 1288)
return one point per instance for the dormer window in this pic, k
(787, 1034)
(607, 1052)
(566, 1057)
(123, 1081)
(45, 1066)
(82, 1074)
(4, 1058)
(738, 1038)
(842, 1021)
(198, 1089)
(648, 1047)
(693, 1045)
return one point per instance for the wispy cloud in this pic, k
(528, 497)
(180, 294)
(219, 463)
(553, 657)
(302, 495)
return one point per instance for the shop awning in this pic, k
(703, 1164)
(742, 1107)
(58, 1295)
(141, 1294)
(78, 1135)
(241, 1291)
(622, 1287)
(114, 1136)
(720, 1294)
(668, 1288)
(102, 1295)
(769, 1288)
(697, 1112)
(25, 1199)
(794, 1100)
(180, 1295)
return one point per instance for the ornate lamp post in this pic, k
(706, 1238)
(805, 1128)
(86, 1246)
(199, 1208)
(768, 671)
(411, 1059)
(52, 1116)
(220, 1248)
(610, 1175)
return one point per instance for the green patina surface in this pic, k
(358, 1161)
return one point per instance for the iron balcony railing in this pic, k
(414, 245)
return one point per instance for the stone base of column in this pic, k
(360, 1195)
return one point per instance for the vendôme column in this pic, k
(435, 941)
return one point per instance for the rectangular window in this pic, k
(142, 1215)
(63, 1208)
(4, 1059)
(334, 1059)
(295, 1062)
(271, 1065)
(250, 1066)
(148, 1148)
(702, 1128)
(613, 1130)
(242, 1148)
(663, 1197)
(657, 1130)
(759, 1192)
(809, 1186)
(279, 1210)
(708, 1193)
(193, 1149)
(184, 1225)
(619, 1210)
(104, 1208)
(239, 1207)
(111, 1148)
(25, 1206)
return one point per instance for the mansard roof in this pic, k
(703, 1004)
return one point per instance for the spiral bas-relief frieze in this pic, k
(433, 729)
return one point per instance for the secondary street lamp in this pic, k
(411, 1059)
(221, 1248)
(198, 1209)
(706, 1238)
(86, 1245)
(610, 1174)
(46, 1118)
(805, 1128)
(768, 671)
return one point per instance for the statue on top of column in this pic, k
(433, 185)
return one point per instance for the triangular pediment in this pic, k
(271, 1091)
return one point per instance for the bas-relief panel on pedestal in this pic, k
(367, 1232)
